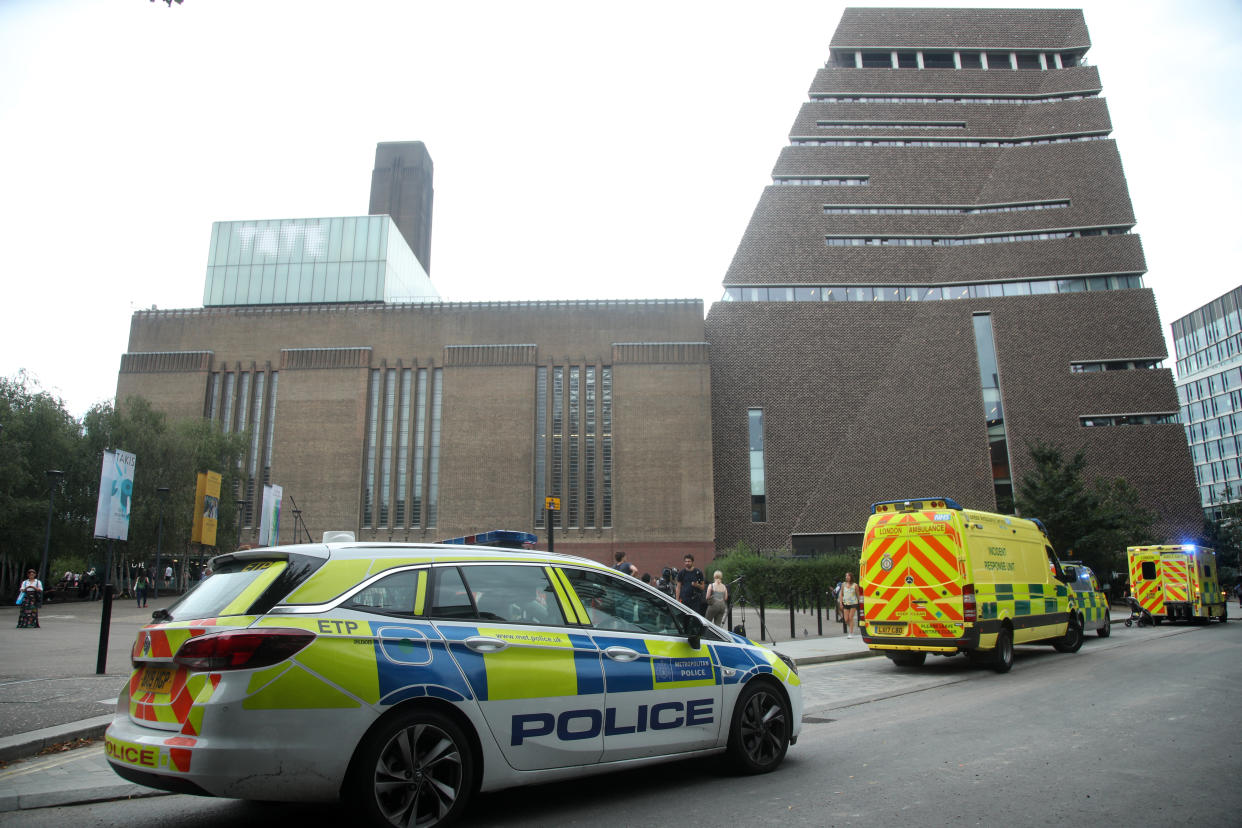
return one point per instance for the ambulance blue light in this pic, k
(948, 503)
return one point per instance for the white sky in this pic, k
(581, 149)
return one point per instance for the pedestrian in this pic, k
(168, 575)
(849, 603)
(140, 589)
(29, 596)
(836, 604)
(623, 566)
(690, 584)
(717, 595)
(1237, 590)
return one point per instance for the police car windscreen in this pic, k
(219, 594)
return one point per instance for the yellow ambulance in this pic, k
(1177, 582)
(938, 578)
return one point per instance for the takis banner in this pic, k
(116, 495)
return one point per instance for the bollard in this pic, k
(819, 618)
(793, 631)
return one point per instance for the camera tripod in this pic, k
(740, 602)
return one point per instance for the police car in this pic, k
(1092, 602)
(404, 678)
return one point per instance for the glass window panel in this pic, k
(1016, 289)
(957, 292)
(932, 294)
(374, 251)
(859, 294)
(360, 238)
(373, 281)
(514, 594)
(781, 294)
(335, 231)
(1043, 286)
(733, 294)
(756, 294)
(614, 603)
(834, 294)
(806, 294)
(450, 598)
(1071, 286)
(1097, 283)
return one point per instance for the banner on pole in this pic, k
(269, 525)
(206, 508)
(116, 495)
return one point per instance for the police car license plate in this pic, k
(887, 629)
(156, 679)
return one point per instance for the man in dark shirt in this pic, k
(690, 585)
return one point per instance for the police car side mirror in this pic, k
(693, 629)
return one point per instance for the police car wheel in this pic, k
(1106, 630)
(417, 769)
(1072, 640)
(1002, 656)
(759, 735)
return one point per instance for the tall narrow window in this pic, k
(758, 486)
(213, 393)
(433, 471)
(575, 445)
(368, 483)
(558, 438)
(420, 449)
(403, 448)
(256, 445)
(541, 444)
(385, 488)
(605, 390)
(243, 401)
(993, 412)
(226, 422)
(271, 428)
(588, 451)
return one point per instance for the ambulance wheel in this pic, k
(908, 659)
(1072, 640)
(759, 735)
(1002, 656)
(417, 768)
(1106, 630)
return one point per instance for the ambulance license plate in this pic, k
(156, 680)
(887, 629)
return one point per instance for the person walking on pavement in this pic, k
(29, 596)
(717, 595)
(140, 589)
(849, 603)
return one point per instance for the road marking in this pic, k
(37, 765)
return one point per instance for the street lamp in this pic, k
(241, 505)
(162, 492)
(297, 519)
(53, 478)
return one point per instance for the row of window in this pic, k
(953, 59)
(1223, 351)
(930, 293)
(578, 448)
(891, 124)
(1218, 406)
(1115, 365)
(956, 99)
(242, 401)
(938, 210)
(519, 594)
(827, 181)
(1217, 323)
(951, 143)
(1221, 448)
(1203, 389)
(398, 397)
(957, 241)
(1214, 429)
(1128, 419)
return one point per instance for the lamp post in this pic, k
(162, 492)
(53, 478)
(241, 506)
(297, 519)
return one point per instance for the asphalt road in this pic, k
(1136, 729)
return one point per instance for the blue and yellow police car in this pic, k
(403, 678)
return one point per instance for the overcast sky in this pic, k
(582, 150)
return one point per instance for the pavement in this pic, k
(51, 695)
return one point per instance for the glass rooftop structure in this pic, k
(312, 260)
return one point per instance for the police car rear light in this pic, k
(247, 650)
(970, 612)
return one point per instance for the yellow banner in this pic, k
(206, 508)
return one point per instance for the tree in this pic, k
(1092, 523)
